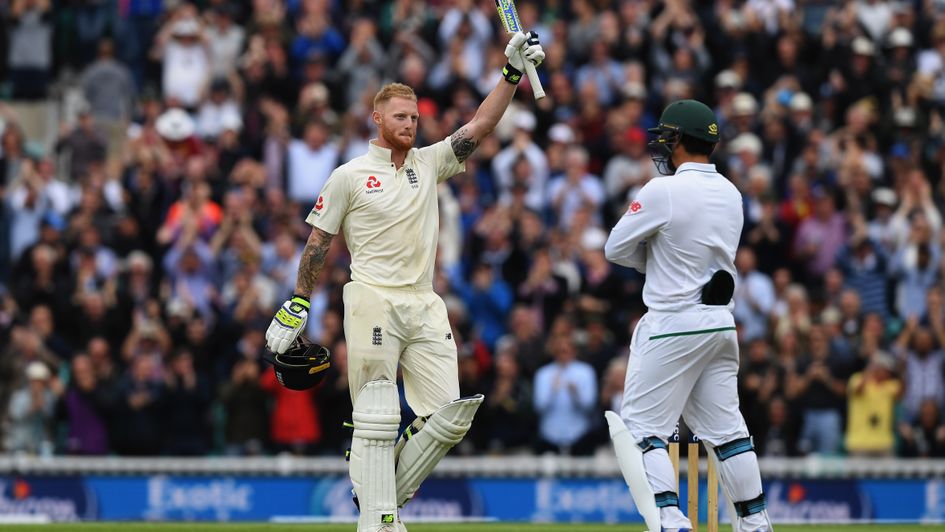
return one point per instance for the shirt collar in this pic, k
(699, 167)
(378, 152)
(383, 154)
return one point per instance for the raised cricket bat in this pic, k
(511, 23)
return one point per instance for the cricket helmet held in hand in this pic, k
(683, 117)
(304, 365)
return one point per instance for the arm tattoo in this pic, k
(463, 144)
(313, 260)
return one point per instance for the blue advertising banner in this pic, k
(440, 499)
(248, 498)
(59, 498)
(200, 498)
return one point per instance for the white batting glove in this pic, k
(524, 47)
(288, 323)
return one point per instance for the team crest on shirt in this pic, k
(373, 185)
(412, 178)
(376, 336)
(635, 207)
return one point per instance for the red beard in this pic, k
(398, 142)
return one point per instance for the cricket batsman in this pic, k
(682, 231)
(386, 203)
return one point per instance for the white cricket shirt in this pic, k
(679, 230)
(390, 217)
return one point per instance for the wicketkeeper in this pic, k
(682, 231)
(386, 204)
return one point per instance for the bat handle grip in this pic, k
(533, 79)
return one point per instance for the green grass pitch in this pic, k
(442, 527)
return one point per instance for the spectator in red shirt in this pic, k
(294, 422)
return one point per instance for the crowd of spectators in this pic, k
(143, 253)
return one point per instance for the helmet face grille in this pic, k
(661, 148)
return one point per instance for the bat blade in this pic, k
(510, 21)
(508, 15)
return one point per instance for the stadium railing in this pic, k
(601, 466)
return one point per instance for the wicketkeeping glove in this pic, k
(288, 323)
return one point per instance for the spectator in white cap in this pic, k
(175, 125)
(744, 153)
(880, 227)
(561, 134)
(727, 85)
(522, 145)
(900, 59)
(728, 79)
(742, 115)
(315, 102)
(757, 184)
(899, 38)
(861, 46)
(186, 59)
(177, 129)
(228, 143)
(744, 104)
(861, 78)
(31, 411)
(633, 108)
(563, 137)
(801, 109)
(634, 90)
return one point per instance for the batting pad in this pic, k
(630, 459)
(376, 420)
(427, 441)
(740, 478)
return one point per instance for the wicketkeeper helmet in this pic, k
(302, 366)
(683, 117)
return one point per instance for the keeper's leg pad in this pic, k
(630, 459)
(376, 419)
(740, 477)
(427, 440)
(662, 479)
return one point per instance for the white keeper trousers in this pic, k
(684, 363)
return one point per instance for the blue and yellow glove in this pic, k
(288, 323)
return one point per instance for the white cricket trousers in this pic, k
(406, 325)
(684, 363)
